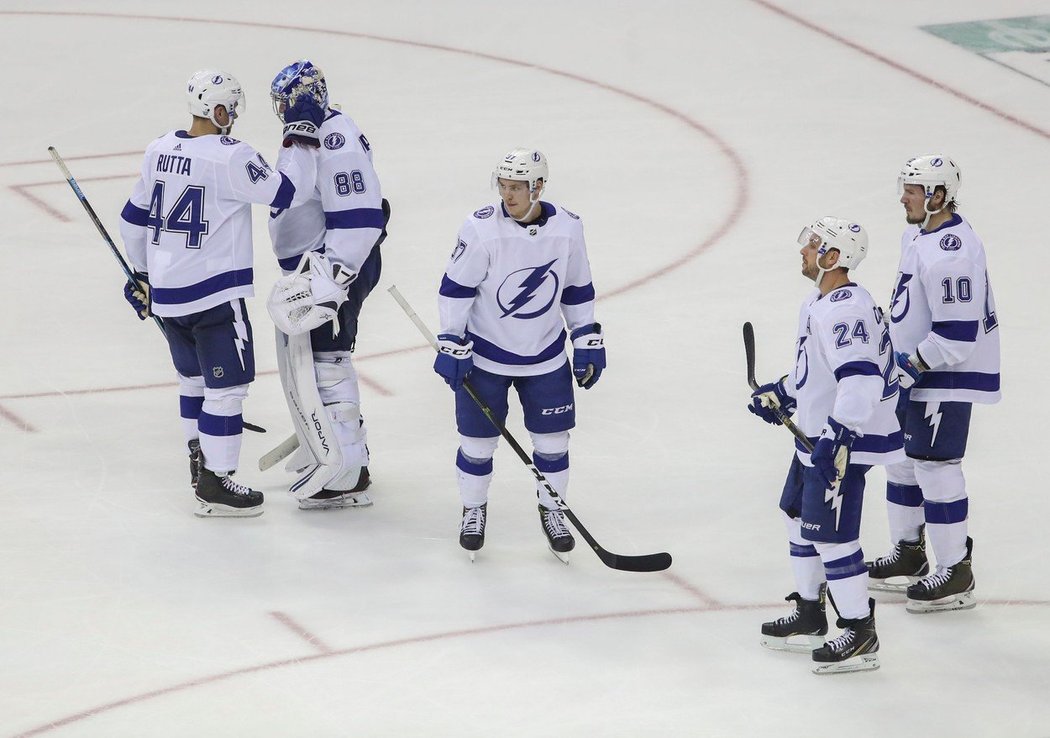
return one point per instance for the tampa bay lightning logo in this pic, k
(227, 141)
(899, 307)
(854, 227)
(458, 251)
(801, 363)
(840, 295)
(484, 212)
(529, 287)
(936, 162)
(334, 141)
(217, 79)
(951, 242)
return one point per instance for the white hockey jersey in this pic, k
(188, 223)
(843, 361)
(943, 307)
(512, 289)
(343, 216)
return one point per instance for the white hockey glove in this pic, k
(310, 296)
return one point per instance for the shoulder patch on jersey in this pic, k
(951, 242)
(570, 214)
(227, 141)
(839, 295)
(484, 212)
(458, 251)
(334, 141)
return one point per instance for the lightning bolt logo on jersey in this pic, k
(513, 289)
(537, 291)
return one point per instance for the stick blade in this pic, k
(648, 562)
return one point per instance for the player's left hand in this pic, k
(831, 453)
(137, 295)
(588, 354)
(303, 117)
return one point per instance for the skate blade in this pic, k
(964, 601)
(800, 644)
(864, 662)
(357, 499)
(885, 585)
(212, 510)
(562, 557)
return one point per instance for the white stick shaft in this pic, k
(413, 317)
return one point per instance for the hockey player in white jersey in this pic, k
(945, 331)
(328, 248)
(842, 391)
(517, 284)
(187, 230)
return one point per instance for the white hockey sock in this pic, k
(946, 507)
(903, 502)
(220, 426)
(551, 456)
(847, 577)
(474, 469)
(191, 399)
(805, 562)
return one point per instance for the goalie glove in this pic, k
(137, 294)
(770, 396)
(302, 119)
(588, 354)
(310, 296)
(831, 452)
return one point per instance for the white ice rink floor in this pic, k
(695, 139)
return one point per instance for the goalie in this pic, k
(328, 249)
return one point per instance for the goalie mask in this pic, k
(296, 79)
(209, 88)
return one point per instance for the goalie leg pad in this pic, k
(310, 417)
(339, 390)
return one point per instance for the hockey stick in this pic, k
(112, 246)
(647, 562)
(749, 354)
(279, 453)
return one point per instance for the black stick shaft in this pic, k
(749, 354)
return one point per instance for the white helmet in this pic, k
(930, 171)
(522, 165)
(210, 88)
(848, 238)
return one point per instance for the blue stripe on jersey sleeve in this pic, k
(492, 352)
(285, 193)
(355, 218)
(193, 292)
(134, 215)
(855, 368)
(455, 289)
(867, 443)
(577, 295)
(956, 330)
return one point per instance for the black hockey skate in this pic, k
(195, 460)
(221, 497)
(328, 499)
(472, 529)
(907, 559)
(855, 650)
(946, 589)
(803, 630)
(559, 538)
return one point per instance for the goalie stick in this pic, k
(749, 354)
(647, 562)
(112, 246)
